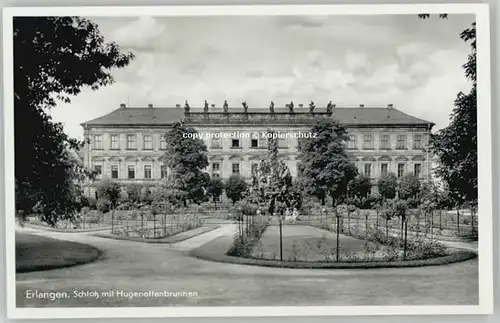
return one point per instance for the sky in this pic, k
(412, 63)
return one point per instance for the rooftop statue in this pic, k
(186, 107)
(271, 107)
(205, 108)
(329, 107)
(311, 107)
(290, 107)
(245, 106)
(225, 106)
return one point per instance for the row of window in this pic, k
(131, 171)
(261, 142)
(384, 169)
(385, 142)
(235, 169)
(131, 142)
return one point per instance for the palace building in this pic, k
(127, 144)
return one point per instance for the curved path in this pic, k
(133, 267)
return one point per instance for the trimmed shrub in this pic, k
(103, 205)
(92, 202)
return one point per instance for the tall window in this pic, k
(98, 142)
(384, 169)
(368, 142)
(352, 143)
(131, 142)
(401, 142)
(417, 170)
(163, 142)
(417, 141)
(401, 170)
(163, 171)
(236, 168)
(98, 170)
(254, 143)
(147, 171)
(368, 170)
(215, 169)
(384, 141)
(131, 171)
(148, 142)
(115, 144)
(235, 143)
(114, 171)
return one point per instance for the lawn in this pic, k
(34, 253)
(306, 243)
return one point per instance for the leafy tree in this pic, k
(215, 189)
(146, 195)
(134, 192)
(400, 209)
(235, 188)
(109, 190)
(456, 145)
(166, 196)
(408, 186)
(387, 185)
(55, 57)
(325, 168)
(360, 187)
(185, 155)
(109, 193)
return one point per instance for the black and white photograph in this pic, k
(248, 160)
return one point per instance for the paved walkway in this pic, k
(198, 241)
(132, 267)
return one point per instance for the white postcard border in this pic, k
(485, 243)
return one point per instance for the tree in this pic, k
(360, 187)
(185, 155)
(109, 191)
(235, 188)
(408, 186)
(387, 185)
(134, 192)
(400, 209)
(325, 168)
(55, 57)
(456, 145)
(215, 189)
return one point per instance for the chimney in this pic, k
(361, 105)
(213, 106)
(150, 105)
(177, 105)
(123, 105)
(390, 106)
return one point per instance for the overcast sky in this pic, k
(412, 63)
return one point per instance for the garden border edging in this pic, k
(206, 253)
(167, 240)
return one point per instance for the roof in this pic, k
(164, 116)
